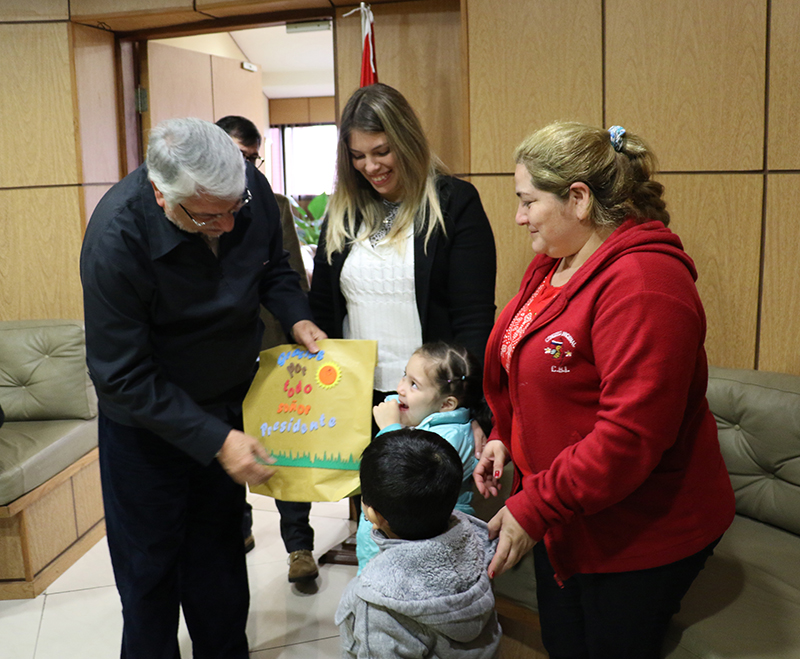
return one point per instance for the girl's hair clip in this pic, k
(616, 133)
(463, 377)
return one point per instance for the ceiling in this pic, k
(292, 64)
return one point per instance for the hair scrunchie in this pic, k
(616, 133)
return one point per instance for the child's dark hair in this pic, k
(413, 479)
(455, 371)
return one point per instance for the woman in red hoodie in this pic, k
(596, 374)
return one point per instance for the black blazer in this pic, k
(454, 280)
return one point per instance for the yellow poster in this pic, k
(313, 414)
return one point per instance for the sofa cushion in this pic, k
(43, 372)
(746, 602)
(758, 416)
(31, 452)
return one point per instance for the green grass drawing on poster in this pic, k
(308, 460)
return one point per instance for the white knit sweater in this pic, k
(378, 285)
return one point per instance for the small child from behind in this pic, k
(440, 391)
(427, 592)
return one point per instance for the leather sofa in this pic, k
(746, 602)
(50, 503)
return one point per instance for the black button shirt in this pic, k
(173, 331)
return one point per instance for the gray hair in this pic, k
(187, 157)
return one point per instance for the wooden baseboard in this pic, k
(46, 530)
(16, 590)
(513, 611)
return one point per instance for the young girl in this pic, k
(441, 391)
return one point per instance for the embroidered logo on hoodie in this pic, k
(559, 347)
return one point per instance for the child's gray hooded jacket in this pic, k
(424, 598)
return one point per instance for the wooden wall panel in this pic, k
(688, 76)
(95, 77)
(178, 84)
(418, 51)
(34, 10)
(322, 110)
(129, 15)
(236, 90)
(39, 272)
(784, 92)
(303, 110)
(728, 265)
(718, 218)
(120, 7)
(239, 7)
(514, 251)
(36, 77)
(350, 3)
(530, 62)
(286, 111)
(780, 315)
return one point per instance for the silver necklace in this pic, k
(390, 209)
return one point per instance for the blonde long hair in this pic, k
(620, 180)
(379, 108)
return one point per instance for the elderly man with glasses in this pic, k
(176, 260)
(296, 531)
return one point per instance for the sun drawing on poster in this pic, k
(328, 375)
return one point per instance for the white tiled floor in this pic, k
(79, 615)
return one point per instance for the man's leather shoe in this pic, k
(249, 543)
(302, 566)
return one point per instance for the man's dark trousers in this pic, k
(174, 534)
(296, 531)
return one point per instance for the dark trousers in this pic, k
(621, 615)
(296, 532)
(174, 534)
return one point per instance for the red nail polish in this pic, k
(491, 575)
(497, 474)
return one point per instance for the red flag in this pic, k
(369, 69)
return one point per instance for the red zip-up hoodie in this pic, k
(606, 399)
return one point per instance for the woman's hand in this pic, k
(514, 542)
(489, 469)
(479, 437)
(386, 413)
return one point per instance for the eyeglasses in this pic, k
(256, 159)
(204, 219)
